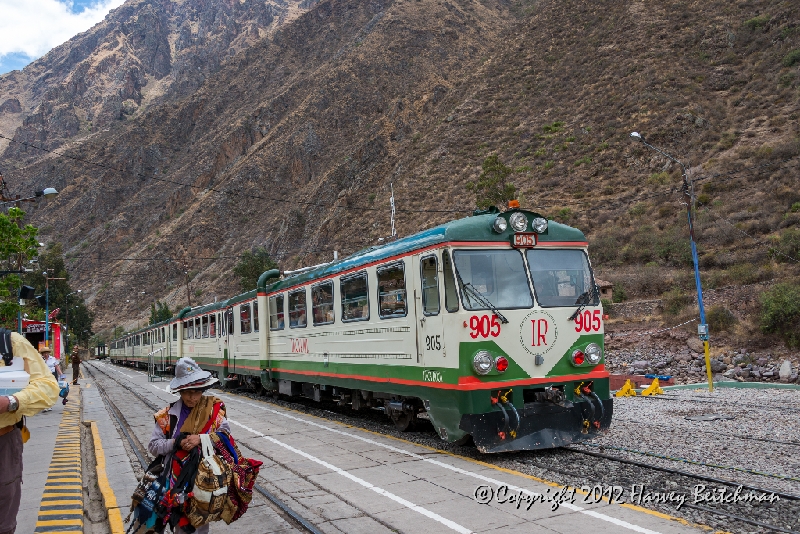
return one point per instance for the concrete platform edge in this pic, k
(109, 498)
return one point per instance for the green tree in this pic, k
(493, 187)
(252, 265)
(780, 313)
(18, 244)
(159, 311)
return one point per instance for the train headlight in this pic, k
(593, 353)
(500, 225)
(578, 357)
(518, 221)
(482, 363)
(539, 225)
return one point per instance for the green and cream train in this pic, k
(489, 326)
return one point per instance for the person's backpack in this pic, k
(210, 493)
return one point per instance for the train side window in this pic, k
(212, 325)
(297, 309)
(450, 294)
(175, 332)
(430, 285)
(204, 325)
(229, 313)
(322, 303)
(392, 291)
(197, 334)
(276, 317)
(255, 316)
(355, 297)
(244, 316)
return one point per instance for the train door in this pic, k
(232, 314)
(427, 303)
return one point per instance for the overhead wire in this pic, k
(229, 192)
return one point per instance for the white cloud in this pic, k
(34, 27)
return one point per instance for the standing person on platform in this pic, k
(52, 364)
(76, 365)
(179, 425)
(40, 393)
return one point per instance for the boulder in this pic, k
(717, 366)
(640, 364)
(785, 371)
(683, 358)
(695, 344)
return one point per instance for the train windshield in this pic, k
(561, 278)
(496, 276)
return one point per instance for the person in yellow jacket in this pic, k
(41, 393)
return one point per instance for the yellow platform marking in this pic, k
(109, 499)
(63, 487)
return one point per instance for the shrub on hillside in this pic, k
(791, 58)
(780, 313)
(757, 22)
(720, 319)
(787, 246)
(675, 301)
(619, 294)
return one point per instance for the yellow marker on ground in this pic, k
(653, 389)
(628, 390)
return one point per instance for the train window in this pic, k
(175, 332)
(297, 309)
(430, 286)
(355, 297)
(392, 291)
(450, 295)
(562, 278)
(255, 316)
(276, 317)
(212, 325)
(322, 303)
(492, 278)
(188, 330)
(229, 313)
(197, 334)
(244, 315)
(204, 325)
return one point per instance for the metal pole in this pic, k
(702, 329)
(46, 309)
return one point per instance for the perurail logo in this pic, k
(429, 375)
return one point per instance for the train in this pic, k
(489, 326)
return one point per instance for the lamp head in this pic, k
(636, 136)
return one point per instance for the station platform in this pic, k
(338, 478)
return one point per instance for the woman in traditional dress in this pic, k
(179, 425)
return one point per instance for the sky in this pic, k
(31, 28)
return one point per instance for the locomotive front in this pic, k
(529, 336)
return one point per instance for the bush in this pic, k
(757, 22)
(780, 313)
(786, 246)
(618, 294)
(675, 301)
(720, 319)
(791, 58)
(607, 306)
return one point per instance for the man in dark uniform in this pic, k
(40, 393)
(76, 365)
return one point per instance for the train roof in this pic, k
(477, 228)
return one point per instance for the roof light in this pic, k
(513, 204)
(539, 225)
(500, 225)
(518, 221)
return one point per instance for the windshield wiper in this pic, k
(470, 291)
(583, 299)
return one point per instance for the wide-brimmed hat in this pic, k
(188, 375)
(44, 350)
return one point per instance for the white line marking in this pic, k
(614, 520)
(162, 390)
(380, 491)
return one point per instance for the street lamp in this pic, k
(702, 328)
(66, 312)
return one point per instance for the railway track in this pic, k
(571, 466)
(144, 458)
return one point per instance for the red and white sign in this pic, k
(300, 345)
(524, 240)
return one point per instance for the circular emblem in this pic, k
(538, 332)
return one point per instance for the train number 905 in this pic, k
(484, 326)
(588, 321)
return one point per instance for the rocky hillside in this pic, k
(292, 139)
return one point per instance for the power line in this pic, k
(230, 192)
(757, 239)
